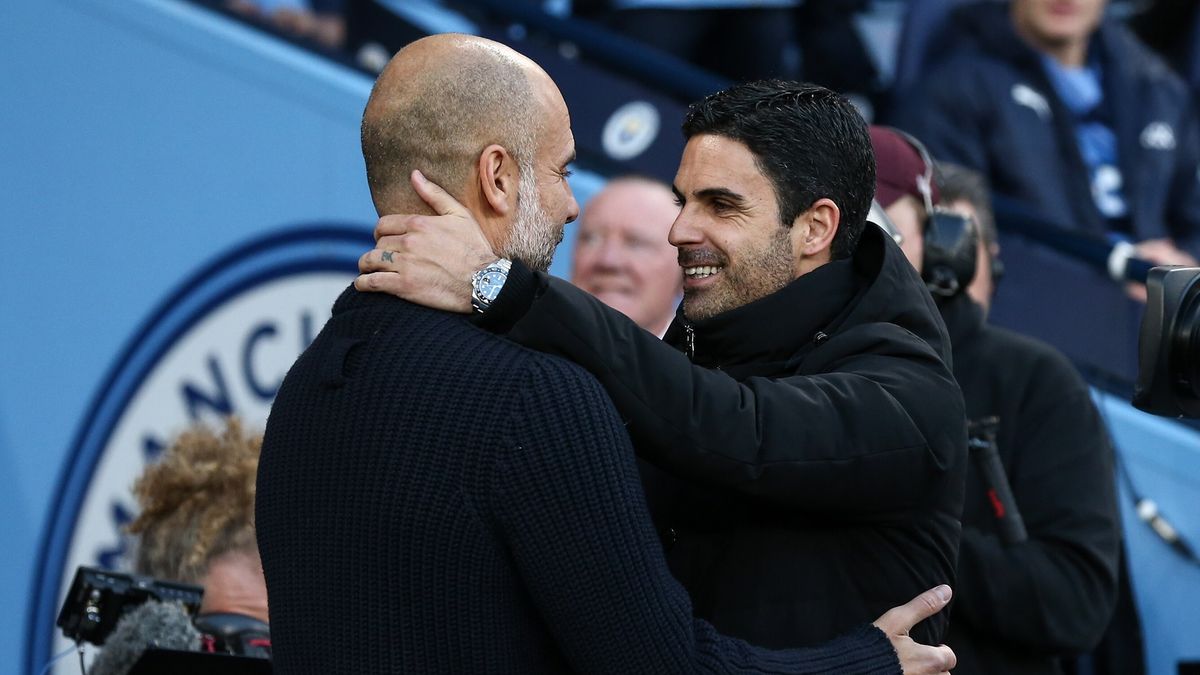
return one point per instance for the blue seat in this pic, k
(923, 23)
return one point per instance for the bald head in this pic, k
(440, 102)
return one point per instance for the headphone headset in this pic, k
(951, 239)
(238, 634)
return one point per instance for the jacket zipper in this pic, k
(689, 340)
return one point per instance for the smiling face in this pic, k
(622, 255)
(731, 244)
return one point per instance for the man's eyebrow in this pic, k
(721, 193)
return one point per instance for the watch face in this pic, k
(491, 282)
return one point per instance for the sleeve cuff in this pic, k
(863, 651)
(522, 287)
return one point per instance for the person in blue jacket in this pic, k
(1066, 111)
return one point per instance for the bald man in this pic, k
(435, 499)
(622, 255)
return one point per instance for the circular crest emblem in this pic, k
(630, 130)
(218, 345)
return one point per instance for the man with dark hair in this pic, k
(835, 163)
(434, 499)
(1032, 595)
(805, 439)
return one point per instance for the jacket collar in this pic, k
(875, 286)
(773, 328)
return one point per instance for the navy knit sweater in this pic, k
(432, 498)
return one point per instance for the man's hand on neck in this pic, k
(427, 260)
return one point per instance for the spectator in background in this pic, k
(622, 255)
(1068, 113)
(196, 525)
(966, 192)
(1021, 604)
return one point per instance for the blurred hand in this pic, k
(244, 7)
(1158, 252)
(1163, 252)
(916, 658)
(329, 30)
(297, 21)
(428, 260)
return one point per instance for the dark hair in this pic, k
(809, 141)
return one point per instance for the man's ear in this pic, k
(813, 231)
(498, 179)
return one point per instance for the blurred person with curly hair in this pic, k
(197, 522)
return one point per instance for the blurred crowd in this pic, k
(1083, 110)
(868, 47)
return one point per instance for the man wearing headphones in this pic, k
(965, 192)
(1037, 566)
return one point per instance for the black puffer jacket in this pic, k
(1018, 607)
(812, 447)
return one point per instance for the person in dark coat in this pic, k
(1022, 606)
(1069, 114)
(806, 435)
(434, 499)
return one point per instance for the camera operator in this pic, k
(197, 526)
(1026, 595)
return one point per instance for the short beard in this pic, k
(533, 236)
(758, 274)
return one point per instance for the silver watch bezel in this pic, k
(479, 300)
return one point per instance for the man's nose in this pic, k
(684, 231)
(572, 205)
(611, 256)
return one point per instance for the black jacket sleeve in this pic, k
(569, 504)
(1055, 591)
(849, 440)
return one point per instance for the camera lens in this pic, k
(1184, 358)
(1169, 346)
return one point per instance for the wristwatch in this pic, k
(487, 282)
